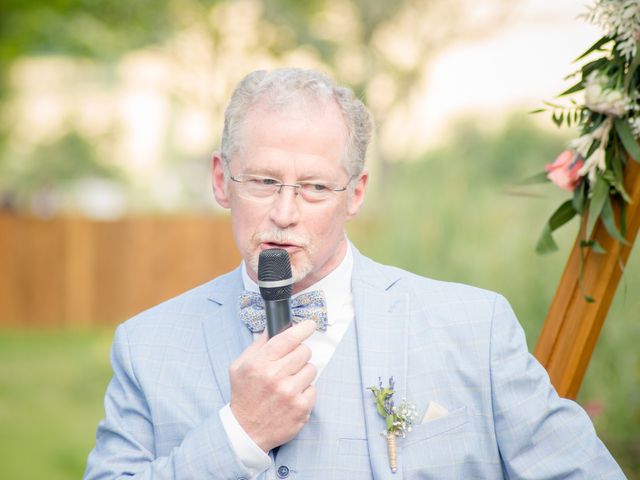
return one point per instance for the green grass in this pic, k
(51, 389)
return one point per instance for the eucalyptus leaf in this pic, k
(597, 248)
(593, 245)
(600, 193)
(562, 215)
(546, 243)
(632, 68)
(540, 177)
(608, 219)
(596, 46)
(616, 165)
(580, 197)
(575, 88)
(627, 138)
(595, 65)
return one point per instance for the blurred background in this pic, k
(109, 112)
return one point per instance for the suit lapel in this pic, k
(226, 337)
(382, 318)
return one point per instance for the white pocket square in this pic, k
(434, 411)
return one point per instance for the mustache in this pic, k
(281, 236)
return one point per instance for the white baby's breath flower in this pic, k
(635, 126)
(582, 144)
(620, 20)
(602, 132)
(600, 97)
(595, 162)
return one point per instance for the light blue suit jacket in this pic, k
(456, 345)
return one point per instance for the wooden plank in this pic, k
(41, 253)
(572, 326)
(79, 288)
(73, 271)
(11, 275)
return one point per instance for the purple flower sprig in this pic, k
(398, 418)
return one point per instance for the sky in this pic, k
(519, 66)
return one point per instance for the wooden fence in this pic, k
(74, 271)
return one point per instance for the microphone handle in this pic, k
(278, 315)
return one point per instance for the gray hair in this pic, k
(286, 86)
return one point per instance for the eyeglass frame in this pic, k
(298, 187)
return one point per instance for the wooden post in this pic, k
(572, 326)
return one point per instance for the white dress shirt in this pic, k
(337, 290)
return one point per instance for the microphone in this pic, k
(276, 283)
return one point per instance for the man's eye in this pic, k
(315, 187)
(265, 181)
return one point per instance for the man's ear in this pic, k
(356, 198)
(218, 181)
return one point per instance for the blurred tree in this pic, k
(50, 170)
(99, 29)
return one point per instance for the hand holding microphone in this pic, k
(271, 392)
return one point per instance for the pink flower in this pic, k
(564, 170)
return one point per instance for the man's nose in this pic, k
(285, 210)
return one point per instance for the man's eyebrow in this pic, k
(311, 177)
(262, 171)
(276, 174)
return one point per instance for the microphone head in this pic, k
(274, 274)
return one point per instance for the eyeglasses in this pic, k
(260, 188)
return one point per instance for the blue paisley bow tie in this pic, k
(306, 306)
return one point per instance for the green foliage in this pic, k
(627, 138)
(102, 29)
(562, 215)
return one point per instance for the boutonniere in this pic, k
(398, 418)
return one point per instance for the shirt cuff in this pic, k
(251, 455)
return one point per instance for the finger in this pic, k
(285, 342)
(310, 396)
(302, 380)
(252, 349)
(303, 404)
(293, 361)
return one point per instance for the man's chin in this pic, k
(300, 274)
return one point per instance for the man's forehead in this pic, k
(312, 130)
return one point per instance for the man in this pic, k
(196, 395)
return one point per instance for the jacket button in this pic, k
(283, 471)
